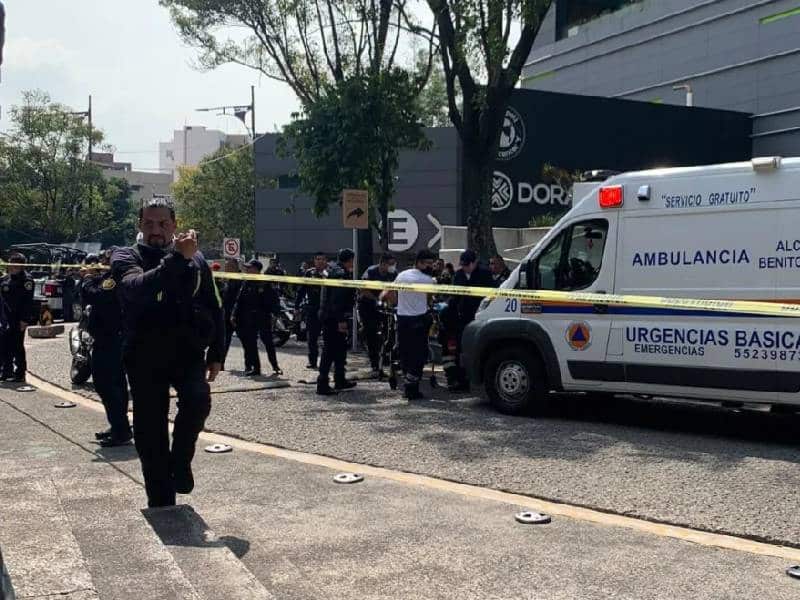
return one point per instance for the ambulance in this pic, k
(729, 231)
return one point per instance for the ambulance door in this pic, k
(579, 259)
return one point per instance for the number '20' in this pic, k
(511, 305)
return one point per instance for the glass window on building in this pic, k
(574, 13)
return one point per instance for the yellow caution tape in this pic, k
(748, 307)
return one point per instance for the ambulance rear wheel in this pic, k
(515, 381)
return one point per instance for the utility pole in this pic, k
(253, 134)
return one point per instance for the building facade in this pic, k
(740, 55)
(144, 184)
(191, 145)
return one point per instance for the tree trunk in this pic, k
(383, 204)
(476, 182)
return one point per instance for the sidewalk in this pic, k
(265, 527)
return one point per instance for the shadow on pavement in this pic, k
(182, 526)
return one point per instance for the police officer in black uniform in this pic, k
(252, 315)
(336, 312)
(16, 294)
(307, 303)
(174, 335)
(104, 323)
(471, 274)
(368, 314)
(230, 292)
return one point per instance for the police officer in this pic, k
(413, 322)
(370, 317)
(256, 303)
(500, 272)
(307, 304)
(336, 311)
(104, 323)
(174, 335)
(16, 294)
(230, 292)
(471, 274)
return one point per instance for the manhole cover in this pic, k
(794, 572)
(348, 478)
(532, 518)
(26, 388)
(65, 404)
(218, 448)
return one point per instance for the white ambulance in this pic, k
(728, 231)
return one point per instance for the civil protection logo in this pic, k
(512, 136)
(579, 336)
(502, 191)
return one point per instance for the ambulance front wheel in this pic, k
(515, 381)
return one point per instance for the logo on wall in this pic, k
(512, 137)
(403, 230)
(502, 191)
(579, 336)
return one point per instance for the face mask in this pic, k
(393, 269)
(428, 271)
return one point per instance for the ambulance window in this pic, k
(572, 261)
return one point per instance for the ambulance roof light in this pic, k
(611, 196)
(762, 164)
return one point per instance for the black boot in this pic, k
(182, 478)
(345, 385)
(412, 392)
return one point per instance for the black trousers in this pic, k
(250, 329)
(150, 374)
(13, 347)
(108, 375)
(372, 321)
(334, 354)
(313, 330)
(412, 334)
(228, 335)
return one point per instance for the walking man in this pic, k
(174, 335)
(230, 292)
(252, 315)
(336, 312)
(413, 322)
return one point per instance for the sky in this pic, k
(128, 56)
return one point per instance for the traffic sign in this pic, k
(231, 247)
(355, 209)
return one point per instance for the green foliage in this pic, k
(547, 219)
(216, 199)
(352, 137)
(49, 191)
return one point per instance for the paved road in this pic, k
(715, 470)
(264, 527)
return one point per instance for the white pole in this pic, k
(355, 276)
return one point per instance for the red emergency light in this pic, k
(611, 196)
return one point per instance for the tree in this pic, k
(216, 198)
(474, 44)
(50, 192)
(352, 137)
(315, 46)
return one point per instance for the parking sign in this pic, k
(231, 248)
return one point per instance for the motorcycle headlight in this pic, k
(74, 340)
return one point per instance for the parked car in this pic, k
(49, 285)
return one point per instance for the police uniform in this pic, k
(104, 323)
(336, 307)
(464, 309)
(370, 317)
(255, 305)
(310, 294)
(230, 292)
(16, 293)
(173, 327)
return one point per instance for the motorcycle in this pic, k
(80, 346)
(283, 324)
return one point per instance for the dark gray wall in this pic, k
(722, 48)
(427, 185)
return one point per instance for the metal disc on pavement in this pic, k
(218, 448)
(65, 404)
(26, 388)
(348, 478)
(794, 571)
(532, 518)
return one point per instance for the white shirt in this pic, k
(412, 304)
